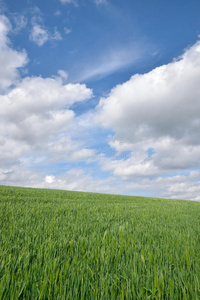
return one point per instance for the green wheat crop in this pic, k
(72, 245)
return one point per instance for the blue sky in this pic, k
(101, 96)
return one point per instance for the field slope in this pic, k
(72, 245)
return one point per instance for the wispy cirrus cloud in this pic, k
(97, 2)
(111, 61)
(69, 1)
(100, 2)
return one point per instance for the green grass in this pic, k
(72, 245)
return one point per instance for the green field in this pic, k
(72, 245)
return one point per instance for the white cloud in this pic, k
(79, 180)
(186, 187)
(176, 187)
(20, 22)
(39, 95)
(135, 166)
(74, 179)
(10, 60)
(5, 27)
(111, 61)
(158, 110)
(97, 2)
(39, 35)
(57, 13)
(67, 30)
(63, 74)
(67, 149)
(144, 105)
(82, 154)
(56, 35)
(100, 2)
(50, 179)
(68, 1)
(36, 111)
(11, 150)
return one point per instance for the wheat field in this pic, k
(71, 245)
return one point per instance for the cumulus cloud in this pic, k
(35, 111)
(130, 167)
(37, 95)
(159, 110)
(10, 60)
